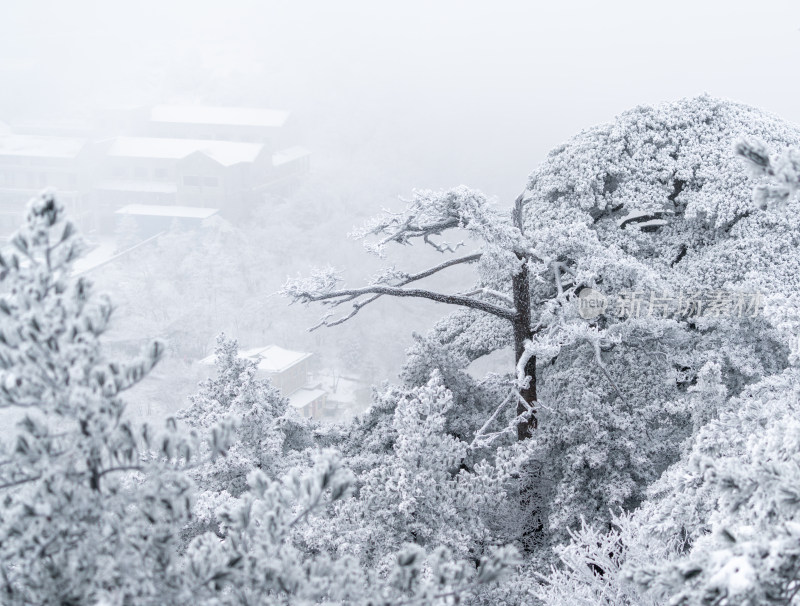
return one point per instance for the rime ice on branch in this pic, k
(504, 259)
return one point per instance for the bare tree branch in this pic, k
(601, 364)
(19, 482)
(480, 437)
(337, 297)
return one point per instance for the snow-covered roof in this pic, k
(40, 146)
(156, 210)
(154, 187)
(99, 254)
(232, 116)
(277, 359)
(250, 353)
(226, 153)
(304, 396)
(289, 154)
(271, 359)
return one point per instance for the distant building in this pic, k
(289, 371)
(30, 163)
(270, 128)
(228, 158)
(67, 127)
(248, 124)
(287, 165)
(309, 401)
(184, 172)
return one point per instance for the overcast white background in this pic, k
(440, 93)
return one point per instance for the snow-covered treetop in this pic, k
(429, 213)
(675, 164)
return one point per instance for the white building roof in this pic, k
(304, 396)
(278, 359)
(226, 153)
(272, 358)
(289, 154)
(231, 116)
(156, 210)
(40, 146)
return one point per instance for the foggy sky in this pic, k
(439, 93)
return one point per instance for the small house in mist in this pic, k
(290, 372)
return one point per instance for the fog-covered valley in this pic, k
(373, 303)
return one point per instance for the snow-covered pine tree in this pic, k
(265, 437)
(653, 203)
(86, 515)
(414, 487)
(257, 561)
(353, 546)
(720, 525)
(505, 262)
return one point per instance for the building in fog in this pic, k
(247, 124)
(227, 158)
(31, 163)
(182, 172)
(290, 372)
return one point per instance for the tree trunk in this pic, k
(522, 333)
(522, 329)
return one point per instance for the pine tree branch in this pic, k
(337, 297)
(19, 482)
(409, 278)
(360, 297)
(479, 435)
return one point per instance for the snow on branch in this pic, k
(429, 213)
(361, 297)
(319, 287)
(756, 153)
(783, 174)
(305, 290)
(482, 439)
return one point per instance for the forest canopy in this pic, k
(643, 453)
